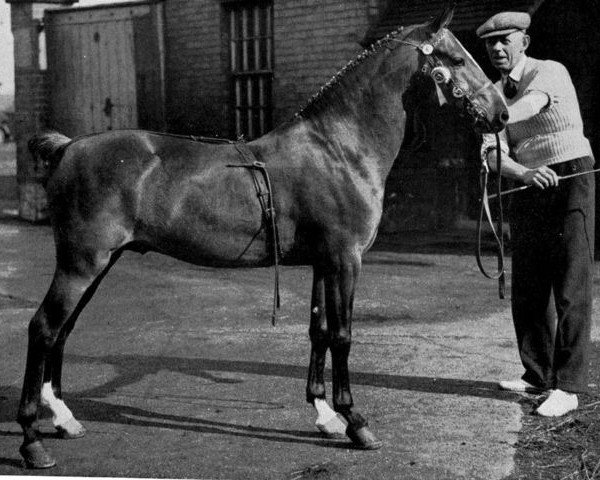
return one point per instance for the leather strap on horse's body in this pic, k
(498, 234)
(265, 198)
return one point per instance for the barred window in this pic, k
(251, 64)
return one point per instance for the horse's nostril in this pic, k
(504, 116)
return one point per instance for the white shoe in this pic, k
(557, 404)
(519, 385)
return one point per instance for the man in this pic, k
(552, 225)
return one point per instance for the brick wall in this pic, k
(196, 82)
(313, 40)
(31, 112)
(31, 98)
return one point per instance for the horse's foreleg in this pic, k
(327, 421)
(339, 294)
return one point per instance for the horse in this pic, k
(146, 191)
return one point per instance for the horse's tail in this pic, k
(49, 147)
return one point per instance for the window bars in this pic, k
(251, 65)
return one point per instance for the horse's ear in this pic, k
(444, 19)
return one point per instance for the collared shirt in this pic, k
(525, 104)
(517, 72)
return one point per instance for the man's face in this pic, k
(505, 51)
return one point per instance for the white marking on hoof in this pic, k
(60, 412)
(71, 429)
(328, 421)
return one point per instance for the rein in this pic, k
(498, 232)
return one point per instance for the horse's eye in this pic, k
(458, 61)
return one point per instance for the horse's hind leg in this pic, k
(66, 297)
(327, 421)
(340, 284)
(51, 395)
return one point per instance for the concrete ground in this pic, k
(176, 371)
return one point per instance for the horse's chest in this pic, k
(359, 206)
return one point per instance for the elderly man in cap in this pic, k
(552, 225)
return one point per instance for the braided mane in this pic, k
(316, 100)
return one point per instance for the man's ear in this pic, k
(526, 41)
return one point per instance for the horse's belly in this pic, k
(211, 218)
(203, 234)
(222, 249)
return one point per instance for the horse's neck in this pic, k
(368, 118)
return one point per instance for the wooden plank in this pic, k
(95, 95)
(127, 74)
(87, 104)
(131, 84)
(96, 15)
(114, 63)
(78, 86)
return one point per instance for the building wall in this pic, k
(554, 36)
(196, 83)
(30, 109)
(313, 40)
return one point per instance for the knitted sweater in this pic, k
(555, 134)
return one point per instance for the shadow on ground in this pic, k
(132, 369)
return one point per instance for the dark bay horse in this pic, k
(143, 191)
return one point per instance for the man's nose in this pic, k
(494, 45)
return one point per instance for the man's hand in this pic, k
(541, 177)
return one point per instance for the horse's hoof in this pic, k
(35, 455)
(335, 427)
(70, 429)
(363, 438)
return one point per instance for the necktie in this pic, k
(510, 87)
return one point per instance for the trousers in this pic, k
(552, 243)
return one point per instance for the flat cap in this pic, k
(504, 23)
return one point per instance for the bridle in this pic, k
(441, 75)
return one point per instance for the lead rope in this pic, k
(498, 233)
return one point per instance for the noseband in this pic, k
(441, 74)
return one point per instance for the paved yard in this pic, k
(176, 371)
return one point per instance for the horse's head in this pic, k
(459, 80)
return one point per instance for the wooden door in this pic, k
(95, 67)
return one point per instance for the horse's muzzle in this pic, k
(483, 125)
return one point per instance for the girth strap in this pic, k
(265, 199)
